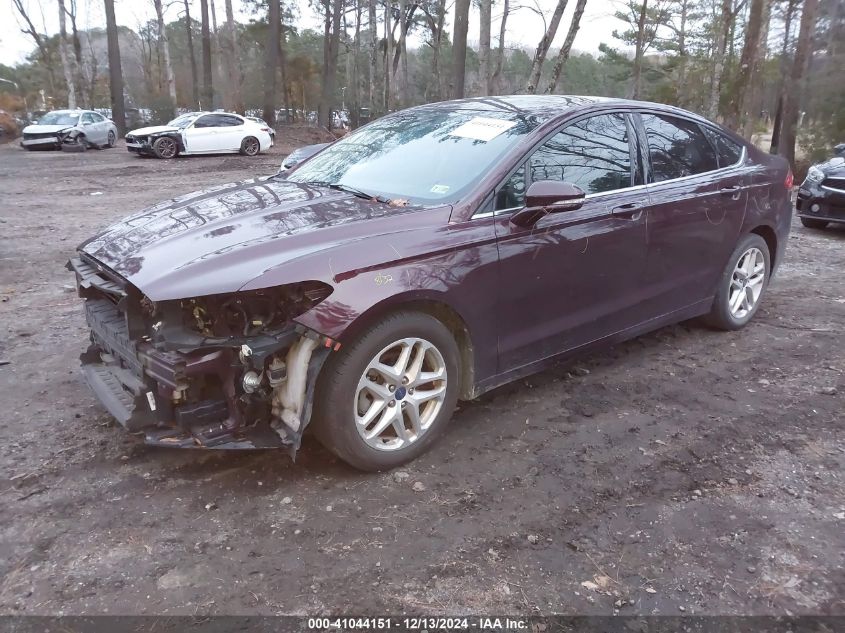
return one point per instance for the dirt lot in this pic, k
(687, 471)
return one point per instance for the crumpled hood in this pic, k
(835, 166)
(153, 129)
(219, 239)
(45, 129)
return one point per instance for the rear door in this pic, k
(232, 131)
(575, 276)
(697, 208)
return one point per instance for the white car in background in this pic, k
(69, 129)
(201, 133)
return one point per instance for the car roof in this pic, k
(547, 106)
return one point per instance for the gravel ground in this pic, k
(687, 471)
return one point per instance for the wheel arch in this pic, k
(770, 237)
(435, 307)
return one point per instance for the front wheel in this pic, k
(386, 397)
(250, 146)
(165, 147)
(810, 223)
(742, 284)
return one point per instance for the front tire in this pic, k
(386, 397)
(742, 284)
(165, 147)
(250, 146)
(810, 223)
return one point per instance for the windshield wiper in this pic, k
(357, 192)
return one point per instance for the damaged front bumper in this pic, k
(181, 389)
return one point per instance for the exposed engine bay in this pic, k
(220, 371)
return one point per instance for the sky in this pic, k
(525, 26)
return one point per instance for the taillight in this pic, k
(790, 179)
(265, 129)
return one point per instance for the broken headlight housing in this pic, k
(249, 313)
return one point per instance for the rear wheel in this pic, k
(165, 147)
(112, 138)
(742, 284)
(250, 146)
(814, 224)
(386, 397)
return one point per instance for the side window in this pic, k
(229, 121)
(677, 147)
(511, 195)
(593, 154)
(206, 120)
(727, 150)
(98, 118)
(88, 118)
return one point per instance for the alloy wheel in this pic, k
(167, 148)
(251, 147)
(747, 282)
(400, 394)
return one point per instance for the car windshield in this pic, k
(426, 157)
(59, 118)
(182, 121)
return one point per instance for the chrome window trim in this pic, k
(833, 189)
(743, 156)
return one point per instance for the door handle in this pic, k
(733, 192)
(632, 211)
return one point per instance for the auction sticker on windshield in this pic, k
(482, 129)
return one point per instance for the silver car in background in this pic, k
(71, 130)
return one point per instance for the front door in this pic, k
(203, 135)
(575, 276)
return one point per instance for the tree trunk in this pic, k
(437, 36)
(563, 55)
(207, 88)
(682, 54)
(738, 107)
(43, 51)
(371, 10)
(719, 59)
(388, 54)
(486, 17)
(118, 114)
(67, 64)
(233, 68)
(543, 47)
(334, 8)
(80, 72)
(271, 60)
(195, 82)
(459, 48)
(634, 93)
(753, 105)
(496, 81)
(792, 102)
(789, 16)
(403, 53)
(164, 46)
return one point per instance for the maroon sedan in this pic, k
(430, 256)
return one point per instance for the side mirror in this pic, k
(548, 196)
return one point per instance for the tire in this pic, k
(165, 147)
(342, 394)
(810, 223)
(733, 288)
(80, 146)
(111, 139)
(250, 146)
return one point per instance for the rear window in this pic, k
(727, 150)
(677, 147)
